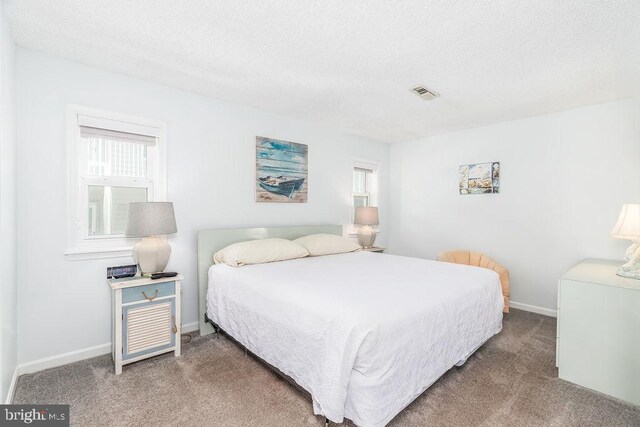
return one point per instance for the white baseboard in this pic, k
(12, 387)
(190, 327)
(533, 308)
(77, 355)
(63, 359)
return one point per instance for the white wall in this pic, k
(564, 179)
(64, 305)
(8, 289)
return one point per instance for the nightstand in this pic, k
(146, 318)
(598, 329)
(376, 249)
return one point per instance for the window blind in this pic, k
(363, 169)
(116, 130)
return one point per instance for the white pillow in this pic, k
(259, 252)
(327, 244)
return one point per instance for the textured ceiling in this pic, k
(351, 63)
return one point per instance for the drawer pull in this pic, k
(175, 327)
(144, 294)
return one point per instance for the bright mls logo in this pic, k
(34, 415)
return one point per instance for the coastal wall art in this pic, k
(479, 178)
(281, 171)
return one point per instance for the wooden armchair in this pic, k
(480, 260)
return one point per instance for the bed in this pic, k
(363, 333)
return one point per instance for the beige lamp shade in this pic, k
(151, 219)
(628, 225)
(367, 215)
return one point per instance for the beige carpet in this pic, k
(510, 381)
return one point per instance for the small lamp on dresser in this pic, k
(151, 220)
(366, 217)
(628, 228)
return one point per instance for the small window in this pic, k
(118, 160)
(365, 185)
(115, 174)
(361, 187)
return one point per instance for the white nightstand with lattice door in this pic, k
(146, 318)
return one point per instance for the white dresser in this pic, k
(598, 342)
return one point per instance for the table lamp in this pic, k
(628, 228)
(366, 217)
(151, 220)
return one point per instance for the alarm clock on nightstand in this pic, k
(122, 271)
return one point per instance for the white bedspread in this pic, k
(364, 333)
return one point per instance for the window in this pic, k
(365, 185)
(113, 160)
(362, 187)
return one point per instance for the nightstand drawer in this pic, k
(148, 292)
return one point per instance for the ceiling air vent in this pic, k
(425, 93)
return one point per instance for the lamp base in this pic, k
(629, 273)
(152, 255)
(631, 269)
(366, 236)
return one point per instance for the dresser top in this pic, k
(600, 272)
(129, 282)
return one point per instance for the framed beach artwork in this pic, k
(480, 178)
(281, 171)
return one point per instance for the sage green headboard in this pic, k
(212, 240)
